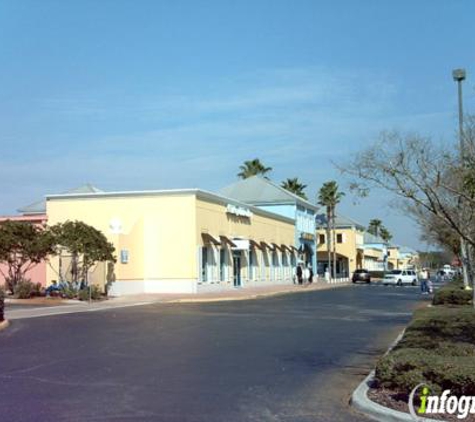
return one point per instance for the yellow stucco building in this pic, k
(349, 246)
(401, 258)
(180, 240)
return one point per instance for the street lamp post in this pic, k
(459, 76)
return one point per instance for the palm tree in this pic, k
(253, 168)
(385, 234)
(294, 186)
(375, 226)
(330, 197)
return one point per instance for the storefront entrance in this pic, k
(237, 268)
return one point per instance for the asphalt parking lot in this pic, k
(295, 357)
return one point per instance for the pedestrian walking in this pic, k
(424, 276)
(298, 274)
(310, 278)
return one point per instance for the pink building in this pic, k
(36, 214)
(38, 273)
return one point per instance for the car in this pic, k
(400, 277)
(361, 275)
(448, 271)
(443, 275)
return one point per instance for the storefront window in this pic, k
(222, 264)
(204, 264)
(275, 265)
(285, 262)
(265, 266)
(252, 263)
(293, 261)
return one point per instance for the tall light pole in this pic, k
(459, 76)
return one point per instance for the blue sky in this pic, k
(155, 94)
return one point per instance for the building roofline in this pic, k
(349, 224)
(296, 198)
(199, 193)
(28, 217)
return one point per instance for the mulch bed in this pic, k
(397, 401)
(44, 301)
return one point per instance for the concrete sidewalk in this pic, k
(245, 293)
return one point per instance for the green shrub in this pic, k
(24, 289)
(68, 292)
(95, 293)
(2, 303)
(438, 348)
(452, 295)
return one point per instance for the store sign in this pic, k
(239, 211)
(241, 244)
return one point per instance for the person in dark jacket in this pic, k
(299, 273)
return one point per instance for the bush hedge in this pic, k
(453, 293)
(68, 292)
(438, 348)
(24, 289)
(94, 295)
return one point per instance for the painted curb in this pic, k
(4, 324)
(377, 412)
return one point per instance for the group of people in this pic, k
(303, 274)
(426, 282)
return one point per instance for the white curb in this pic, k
(360, 401)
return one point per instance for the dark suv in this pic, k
(361, 275)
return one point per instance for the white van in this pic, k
(400, 277)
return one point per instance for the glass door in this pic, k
(237, 268)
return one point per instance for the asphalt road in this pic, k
(296, 358)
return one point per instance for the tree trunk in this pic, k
(329, 244)
(465, 265)
(74, 268)
(334, 242)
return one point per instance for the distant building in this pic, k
(349, 245)
(375, 253)
(264, 194)
(402, 257)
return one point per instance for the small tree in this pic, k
(295, 186)
(86, 244)
(252, 168)
(22, 246)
